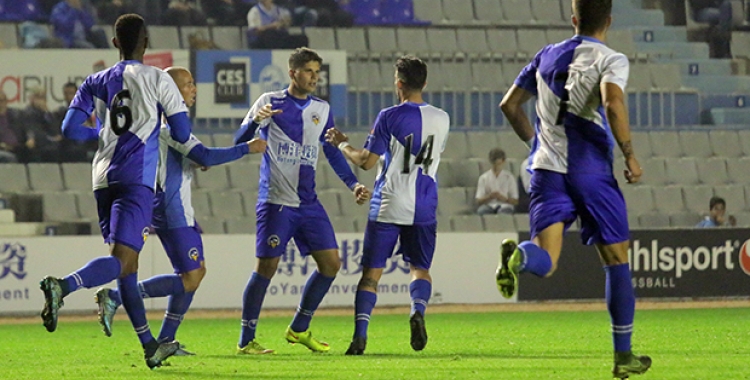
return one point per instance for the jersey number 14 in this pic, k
(423, 157)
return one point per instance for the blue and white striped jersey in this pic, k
(147, 93)
(572, 132)
(294, 137)
(173, 208)
(410, 138)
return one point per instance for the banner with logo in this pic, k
(710, 262)
(229, 82)
(22, 71)
(459, 275)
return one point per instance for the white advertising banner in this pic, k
(24, 70)
(462, 272)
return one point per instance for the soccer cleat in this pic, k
(357, 347)
(306, 339)
(418, 331)
(181, 351)
(53, 301)
(161, 354)
(507, 271)
(253, 348)
(107, 309)
(627, 364)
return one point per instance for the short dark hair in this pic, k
(70, 85)
(128, 29)
(591, 14)
(716, 200)
(302, 56)
(412, 72)
(497, 154)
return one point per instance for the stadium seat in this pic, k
(622, 41)
(567, 11)
(697, 197)
(8, 36)
(215, 178)
(445, 174)
(412, 41)
(734, 195)
(639, 199)
(695, 144)
(352, 40)
(488, 76)
(204, 138)
(511, 70)
(740, 45)
(13, 178)
(725, 143)
(326, 178)
(343, 224)
(357, 138)
(382, 41)
(244, 175)
(558, 35)
(77, 176)
(458, 11)
(743, 219)
(499, 223)
(330, 201)
(682, 171)
(738, 170)
(452, 201)
(745, 141)
(360, 222)
(712, 171)
(530, 41)
(226, 204)
(641, 145)
(223, 139)
(87, 209)
(212, 225)
(367, 177)
(456, 146)
(59, 207)
(653, 220)
(358, 80)
(201, 204)
(245, 225)
(45, 177)
(654, 171)
(163, 37)
(547, 12)
(665, 144)
(201, 32)
(668, 199)
(666, 77)
(639, 78)
(481, 142)
(227, 37)
(512, 145)
(465, 173)
(444, 223)
(684, 219)
(472, 41)
(442, 41)
(522, 222)
(458, 75)
(468, 223)
(488, 11)
(517, 11)
(321, 38)
(429, 10)
(504, 43)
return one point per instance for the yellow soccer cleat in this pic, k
(253, 348)
(507, 272)
(305, 338)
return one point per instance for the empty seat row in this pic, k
(691, 171)
(493, 12)
(667, 200)
(691, 143)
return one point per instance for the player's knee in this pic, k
(192, 280)
(366, 283)
(266, 267)
(128, 266)
(331, 268)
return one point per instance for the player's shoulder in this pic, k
(273, 97)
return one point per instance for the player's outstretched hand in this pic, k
(257, 145)
(633, 172)
(336, 137)
(361, 193)
(265, 112)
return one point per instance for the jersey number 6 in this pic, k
(424, 156)
(116, 110)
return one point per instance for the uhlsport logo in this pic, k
(193, 254)
(745, 257)
(273, 241)
(12, 261)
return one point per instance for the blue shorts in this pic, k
(125, 214)
(184, 247)
(307, 224)
(595, 198)
(417, 244)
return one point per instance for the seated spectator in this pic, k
(267, 26)
(183, 13)
(71, 150)
(716, 214)
(302, 15)
(497, 189)
(329, 13)
(76, 26)
(12, 137)
(41, 129)
(718, 13)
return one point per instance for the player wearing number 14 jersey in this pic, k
(407, 140)
(129, 100)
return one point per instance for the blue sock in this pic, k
(178, 306)
(133, 303)
(420, 291)
(364, 302)
(621, 304)
(252, 301)
(535, 259)
(316, 288)
(155, 287)
(96, 272)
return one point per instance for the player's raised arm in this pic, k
(258, 116)
(205, 156)
(363, 158)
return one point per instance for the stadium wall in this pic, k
(463, 271)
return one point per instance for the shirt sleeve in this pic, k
(616, 69)
(527, 78)
(253, 18)
(84, 99)
(379, 137)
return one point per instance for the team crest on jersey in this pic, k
(273, 241)
(193, 254)
(315, 118)
(145, 234)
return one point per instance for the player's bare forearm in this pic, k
(617, 117)
(512, 107)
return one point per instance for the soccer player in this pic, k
(410, 138)
(579, 84)
(294, 124)
(174, 220)
(129, 99)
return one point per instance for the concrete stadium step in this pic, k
(693, 67)
(718, 84)
(659, 33)
(21, 229)
(625, 17)
(675, 50)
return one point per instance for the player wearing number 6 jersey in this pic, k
(129, 100)
(407, 139)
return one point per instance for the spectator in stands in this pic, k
(302, 15)
(184, 13)
(110, 10)
(327, 13)
(150, 10)
(41, 128)
(267, 25)
(716, 214)
(497, 189)
(76, 26)
(72, 150)
(11, 136)
(222, 12)
(718, 13)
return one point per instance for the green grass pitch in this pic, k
(684, 344)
